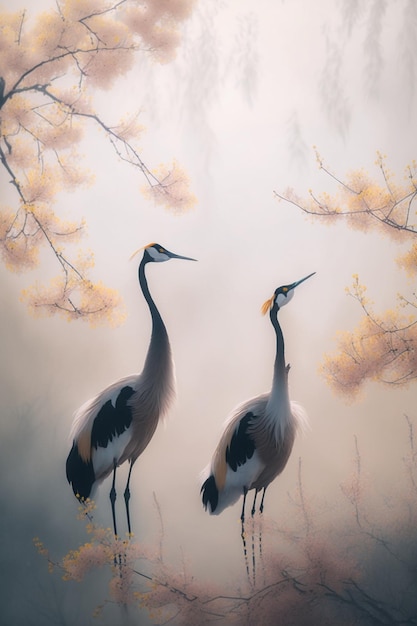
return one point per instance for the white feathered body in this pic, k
(253, 450)
(115, 426)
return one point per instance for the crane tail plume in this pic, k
(210, 494)
(80, 474)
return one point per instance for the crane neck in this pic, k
(278, 409)
(280, 379)
(159, 347)
(157, 379)
(280, 351)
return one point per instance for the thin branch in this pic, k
(306, 515)
(104, 11)
(325, 211)
(19, 34)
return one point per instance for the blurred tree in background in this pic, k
(50, 68)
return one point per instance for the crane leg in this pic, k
(243, 534)
(254, 503)
(242, 515)
(261, 508)
(113, 500)
(127, 498)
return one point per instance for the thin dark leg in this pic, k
(243, 535)
(254, 503)
(127, 498)
(261, 508)
(113, 500)
(242, 515)
(261, 556)
(245, 550)
(253, 511)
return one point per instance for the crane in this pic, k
(258, 437)
(117, 424)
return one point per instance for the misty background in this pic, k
(252, 90)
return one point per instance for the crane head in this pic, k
(156, 253)
(282, 295)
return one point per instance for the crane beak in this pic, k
(298, 282)
(178, 256)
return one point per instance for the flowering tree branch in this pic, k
(383, 347)
(362, 201)
(49, 71)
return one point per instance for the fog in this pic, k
(252, 90)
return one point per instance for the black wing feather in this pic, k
(112, 421)
(242, 446)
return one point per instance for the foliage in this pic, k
(307, 568)
(383, 346)
(365, 203)
(50, 69)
